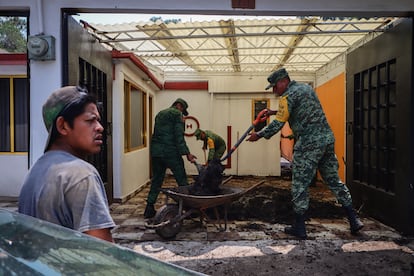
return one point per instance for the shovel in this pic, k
(261, 117)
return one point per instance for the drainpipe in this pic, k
(211, 119)
(40, 15)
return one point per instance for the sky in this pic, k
(114, 18)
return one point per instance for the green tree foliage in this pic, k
(13, 33)
(166, 21)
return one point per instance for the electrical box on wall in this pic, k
(41, 47)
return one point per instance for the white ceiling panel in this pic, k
(298, 44)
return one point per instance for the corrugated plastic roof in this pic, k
(298, 44)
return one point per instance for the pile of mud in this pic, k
(273, 204)
(208, 180)
(272, 201)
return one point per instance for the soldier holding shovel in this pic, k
(314, 147)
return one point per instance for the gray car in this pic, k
(29, 246)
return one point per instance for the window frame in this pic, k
(130, 126)
(13, 109)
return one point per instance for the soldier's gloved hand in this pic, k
(267, 112)
(270, 112)
(253, 137)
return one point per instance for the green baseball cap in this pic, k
(56, 103)
(276, 76)
(197, 133)
(183, 103)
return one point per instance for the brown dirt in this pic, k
(271, 202)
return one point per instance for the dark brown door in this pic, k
(89, 64)
(380, 102)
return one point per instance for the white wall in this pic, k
(240, 83)
(13, 70)
(13, 169)
(117, 130)
(131, 170)
(258, 158)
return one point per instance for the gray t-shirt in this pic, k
(65, 190)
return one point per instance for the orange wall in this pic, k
(332, 97)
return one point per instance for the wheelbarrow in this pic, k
(169, 218)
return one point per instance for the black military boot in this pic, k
(298, 229)
(149, 211)
(354, 222)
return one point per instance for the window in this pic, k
(13, 30)
(374, 125)
(14, 112)
(259, 105)
(135, 117)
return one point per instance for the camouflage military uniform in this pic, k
(167, 147)
(314, 147)
(215, 144)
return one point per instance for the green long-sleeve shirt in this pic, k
(168, 137)
(300, 106)
(215, 144)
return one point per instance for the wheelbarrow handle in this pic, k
(261, 117)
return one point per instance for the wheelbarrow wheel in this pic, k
(165, 213)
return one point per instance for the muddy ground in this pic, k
(271, 201)
(284, 255)
(306, 258)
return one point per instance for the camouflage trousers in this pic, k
(306, 161)
(159, 167)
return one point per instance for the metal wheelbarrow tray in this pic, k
(168, 220)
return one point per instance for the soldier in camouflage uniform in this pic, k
(215, 144)
(167, 148)
(314, 147)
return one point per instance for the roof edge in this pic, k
(139, 64)
(186, 85)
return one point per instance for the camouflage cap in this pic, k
(276, 76)
(57, 102)
(183, 103)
